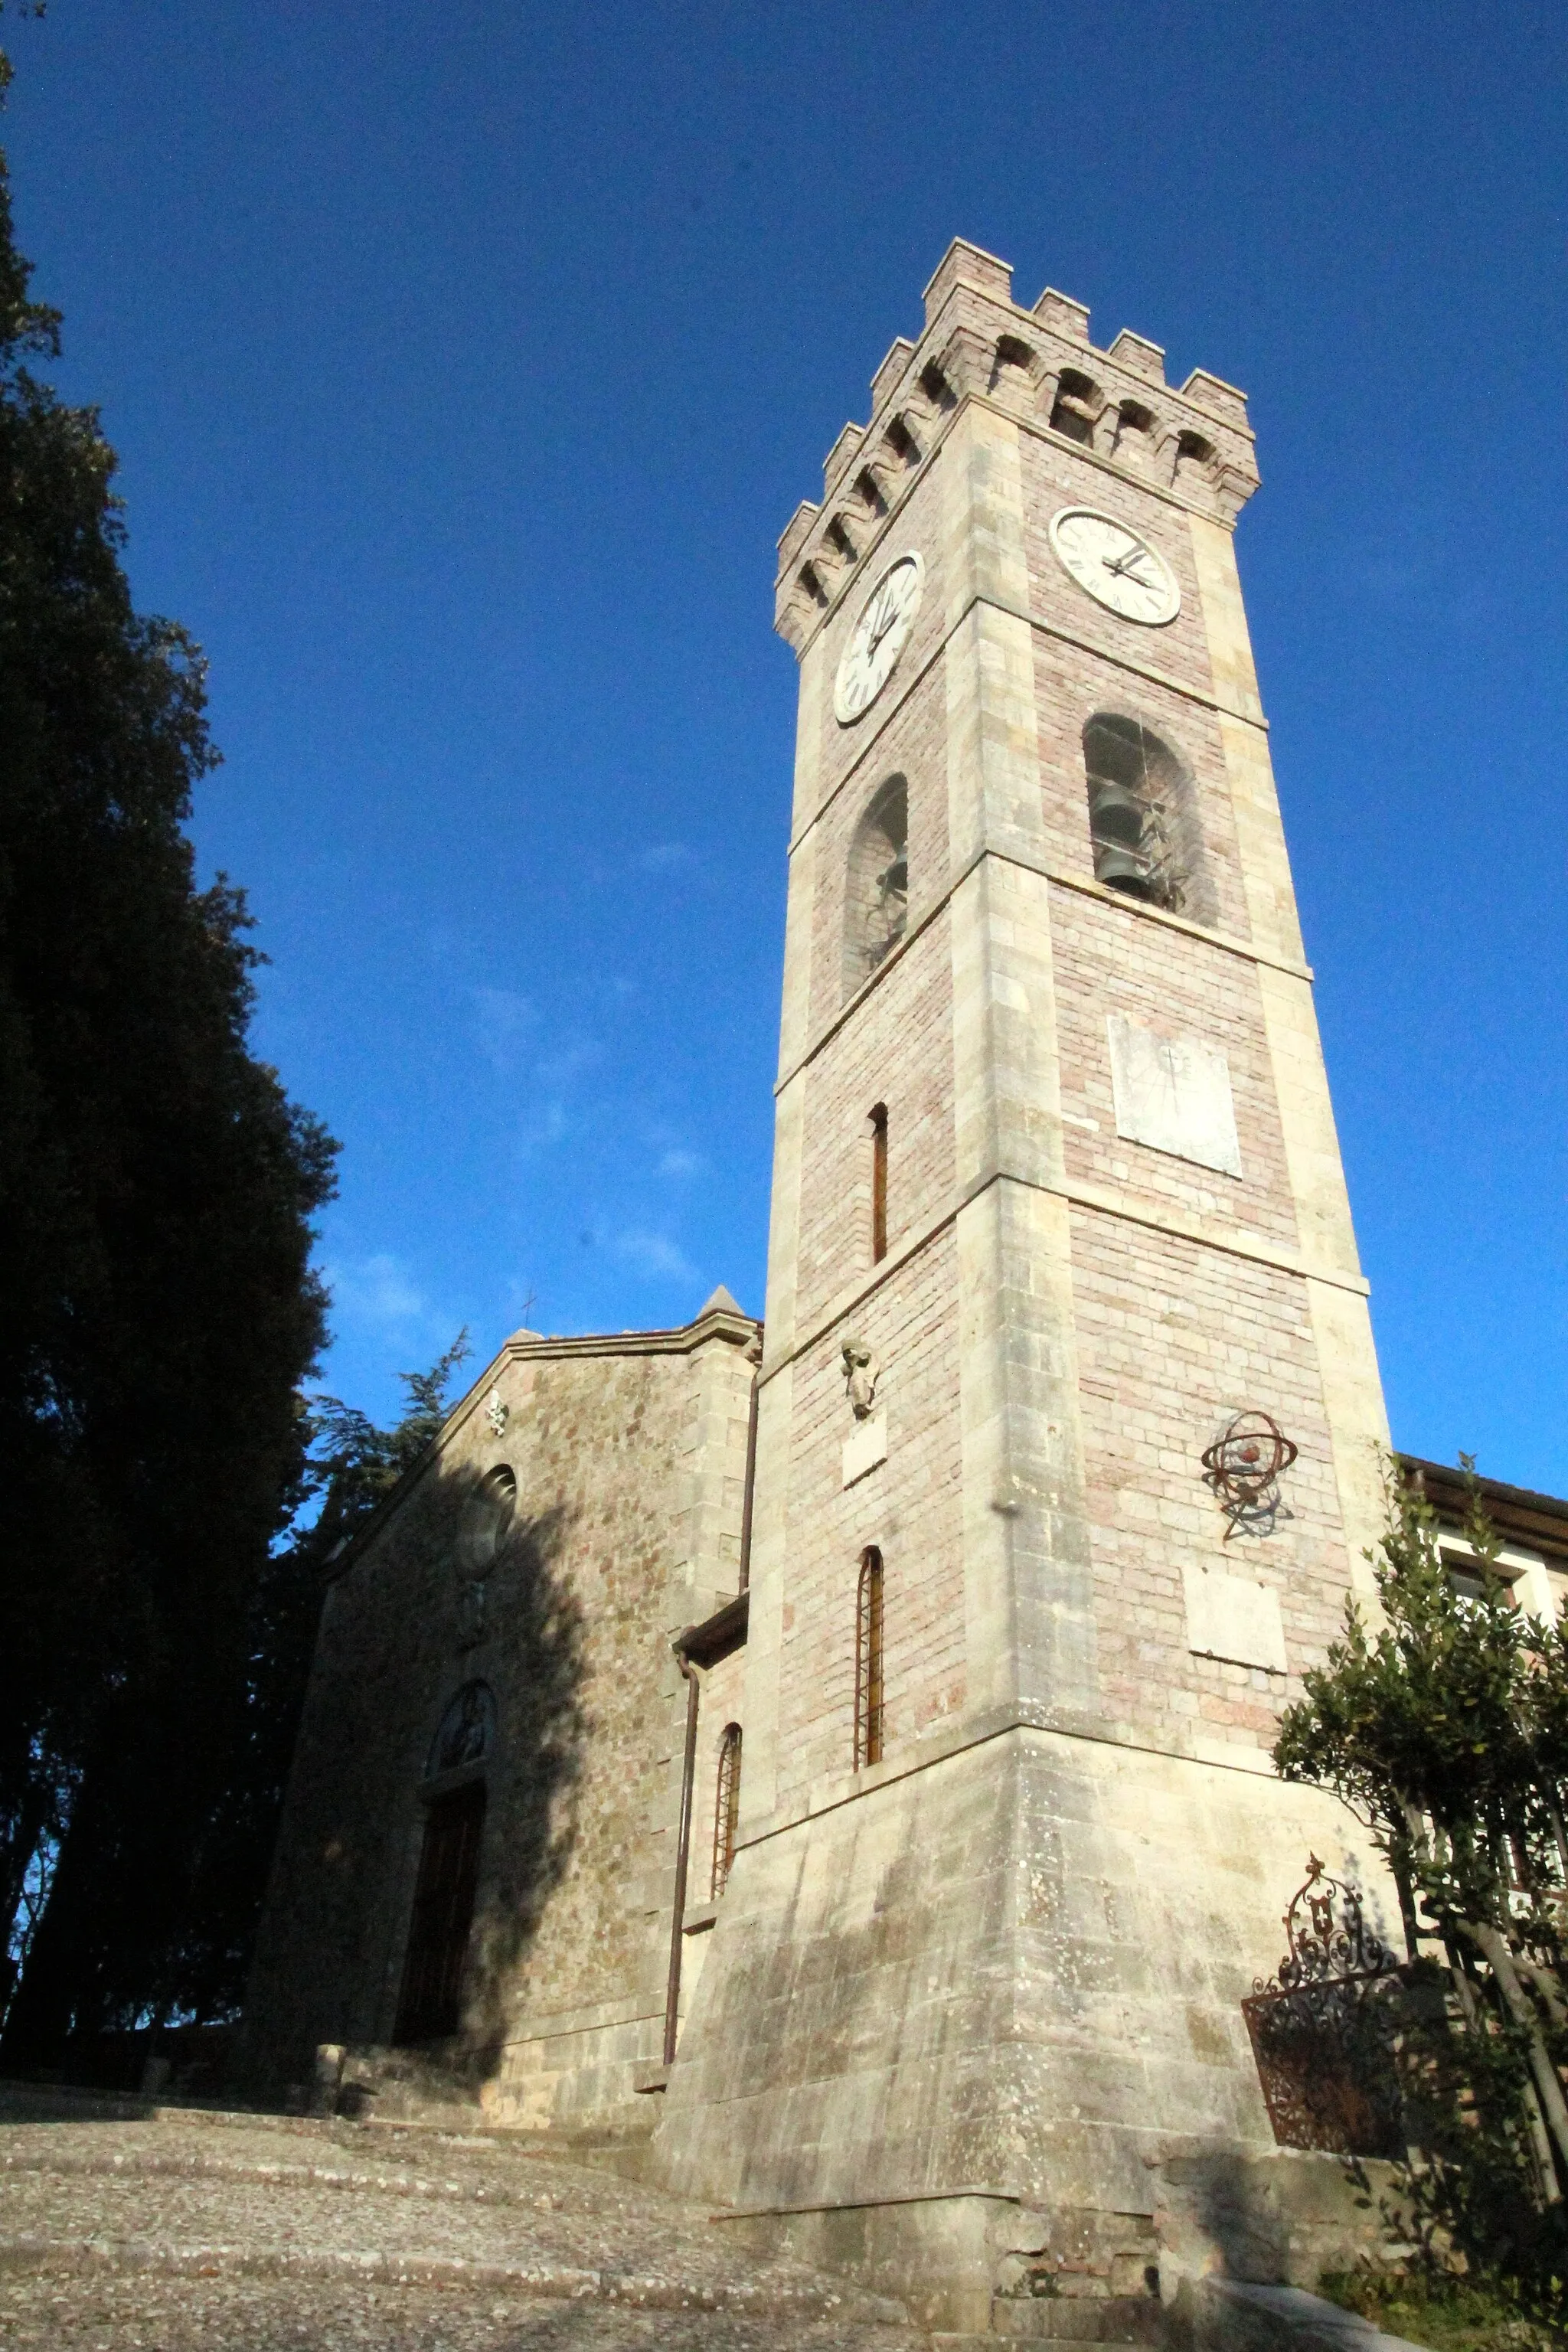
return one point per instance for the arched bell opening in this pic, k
(877, 886)
(1141, 820)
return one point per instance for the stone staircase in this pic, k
(125, 2225)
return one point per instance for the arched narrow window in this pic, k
(876, 891)
(726, 1807)
(1076, 407)
(1140, 817)
(878, 1183)
(869, 1660)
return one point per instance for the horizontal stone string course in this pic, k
(870, 748)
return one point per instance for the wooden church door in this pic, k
(443, 1914)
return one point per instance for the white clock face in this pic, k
(878, 637)
(1117, 567)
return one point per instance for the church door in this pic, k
(443, 1914)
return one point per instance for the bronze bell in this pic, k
(1116, 813)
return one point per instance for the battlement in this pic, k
(1192, 443)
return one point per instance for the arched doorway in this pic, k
(429, 2005)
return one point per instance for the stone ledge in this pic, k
(1078, 2319)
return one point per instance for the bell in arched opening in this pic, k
(877, 910)
(1128, 787)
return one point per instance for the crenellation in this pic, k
(1138, 356)
(1062, 315)
(796, 531)
(838, 461)
(1220, 399)
(977, 344)
(891, 371)
(969, 265)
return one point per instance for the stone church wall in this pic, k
(629, 1457)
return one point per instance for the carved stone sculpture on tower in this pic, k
(861, 1373)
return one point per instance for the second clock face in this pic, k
(878, 637)
(1117, 567)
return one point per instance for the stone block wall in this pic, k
(1172, 1338)
(1014, 1974)
(908, 1507)
(629, 1458)
(992, 1965)
(895, 1051)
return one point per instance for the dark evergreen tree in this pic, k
(157, 1309)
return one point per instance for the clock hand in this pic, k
(1123, 566)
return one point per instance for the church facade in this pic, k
(830, 1757)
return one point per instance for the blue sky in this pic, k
(465, 362)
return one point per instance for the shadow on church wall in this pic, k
(501, 1642)
(537, 1657)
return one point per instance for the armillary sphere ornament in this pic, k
(1243, 1466)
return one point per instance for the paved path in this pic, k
(177, 2230)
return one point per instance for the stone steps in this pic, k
(222, 2233)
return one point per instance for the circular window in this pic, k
(487, 1515)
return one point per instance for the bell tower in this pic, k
(1068, 1358)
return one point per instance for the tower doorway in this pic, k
(428, 2009)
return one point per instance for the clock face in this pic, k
(878, 637)
(1117, 567)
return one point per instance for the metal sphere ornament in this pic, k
(1243, 1466)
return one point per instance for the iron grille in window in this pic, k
(727, 1807)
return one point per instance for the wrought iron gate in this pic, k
(1322, 2029)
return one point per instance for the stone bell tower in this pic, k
(1055, 1158)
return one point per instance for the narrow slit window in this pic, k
(726, 1808)
(878, 1183)
(869, 1660)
